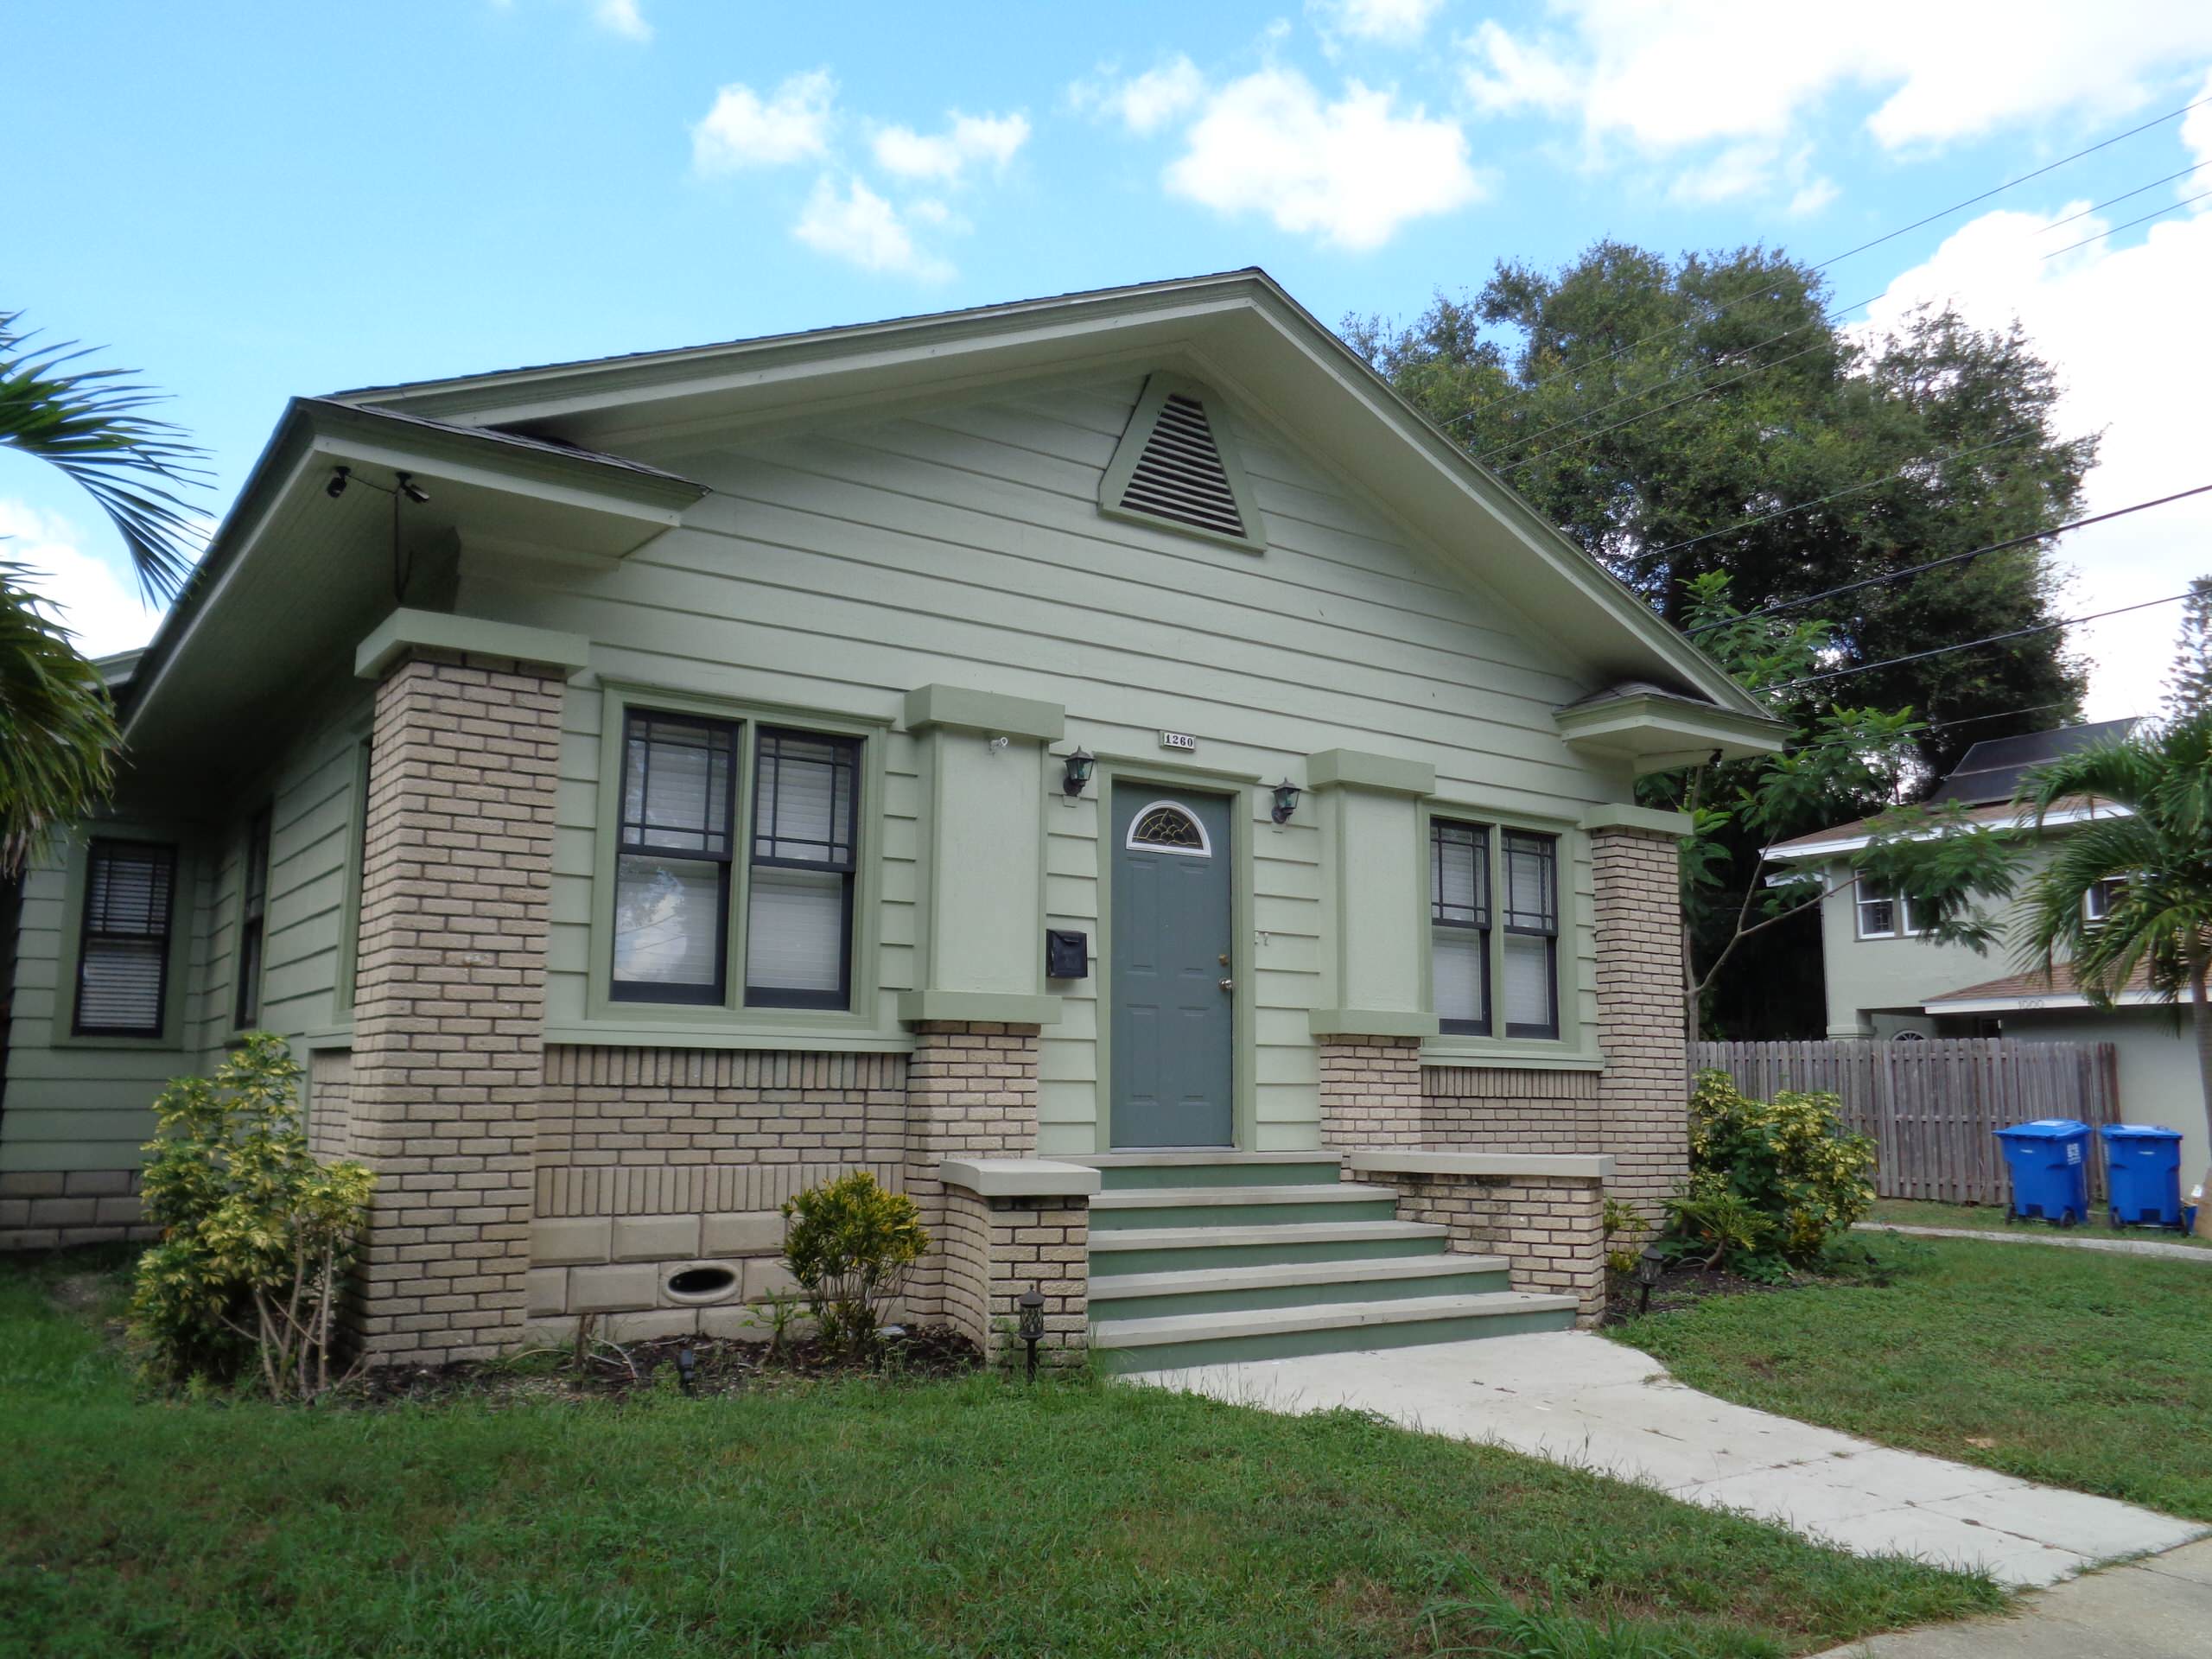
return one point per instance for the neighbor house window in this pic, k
(252, 923)
(1458, 918)
(1883, 913)
(800, 914)
(673, 854)
(2097, 902)
(124, 954)
(1529, 890)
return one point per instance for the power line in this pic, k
(1993, 639)
(1837, 495)
(1956, 207)
(2112, 200)
(1947, 559)
(2001, 713)
(2170, 208)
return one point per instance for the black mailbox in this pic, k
(1067, 954)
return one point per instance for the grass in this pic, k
(1990, 1219)
(847, 1518)
(2078, 1368)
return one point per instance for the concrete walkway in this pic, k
(1577, 1399)
(2064, 1241)
(2160, 1608)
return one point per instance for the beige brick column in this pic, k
(971, 1092)
(448, 1016)
(996, 1249)
(1371, 1092)
(1643, 1094)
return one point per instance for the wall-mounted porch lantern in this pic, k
(1079, 772)
(1286, 801)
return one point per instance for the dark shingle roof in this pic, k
(1991, 769)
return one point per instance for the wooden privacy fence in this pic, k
(1932, 1108)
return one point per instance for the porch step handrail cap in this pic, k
(1019, 1178)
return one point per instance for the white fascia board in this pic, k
(2056, 1002)
(1855, 843)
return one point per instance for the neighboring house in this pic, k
(1110, 734)
(1887, 980)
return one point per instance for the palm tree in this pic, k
(2156, 925)
(58, 734)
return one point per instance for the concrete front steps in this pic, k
(1201, 1257)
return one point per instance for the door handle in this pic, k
(1228, 984)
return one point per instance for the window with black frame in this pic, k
(1528, 886)
(673, 851)
(1458, 915)
(252, 924)
(123, 949)
(798, 924)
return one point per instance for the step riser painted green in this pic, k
(1475, 1283)
(1193, 1258)
(1230, 1213)
(1147, 1177)
(1290, 1344)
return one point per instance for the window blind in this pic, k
(123, 953)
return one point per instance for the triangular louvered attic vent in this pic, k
(1175, 466)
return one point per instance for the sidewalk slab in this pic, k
(2160, 1608)
(1576, 1399)
(2061, 1240)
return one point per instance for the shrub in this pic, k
(1625, 1230)
(850, 1245)
(257, 1236)
(1788, 1164)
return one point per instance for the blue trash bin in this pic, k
(2048, 1161)
(2143, 1165)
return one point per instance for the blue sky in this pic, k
(248, 201)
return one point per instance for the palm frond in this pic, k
(2117, 769)
(57, 725)
(92, 424)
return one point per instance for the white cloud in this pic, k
(1351, 173)
(979, 139)
(2081, 309)
(1810, 198)
(101, 609)
(622, 17)
(862, 228)
(1667, 77)
(1146, 102)
(744, 130)
(1394, 22)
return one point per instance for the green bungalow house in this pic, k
(1105, 765)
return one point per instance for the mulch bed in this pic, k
(610, 1371)
(1682, 1286)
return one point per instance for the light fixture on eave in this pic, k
(402, 487)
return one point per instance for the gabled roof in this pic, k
(1238, 329)
(1992, 770)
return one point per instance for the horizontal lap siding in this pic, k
(841, 566)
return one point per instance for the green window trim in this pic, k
(346, 972)
(860, 1015)
(1573, 1045)
(250, 953)
(76, 871)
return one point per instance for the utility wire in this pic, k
(2112, 200)
(2170, 207)
(2001, 713)
(1947, 559)
(1956, 207)
(1818, 501)
(1993, 639)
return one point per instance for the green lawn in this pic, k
(1990, 1219)
(2079, 1368)
(849, 1518)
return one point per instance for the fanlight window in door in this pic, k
(1164, 827)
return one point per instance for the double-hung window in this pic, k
(1530, 911)
(673, 852)
(252, 924)
(123, 954)
(1459, 919)
(1883, 912)
(1468, 864)
(2099, 898)
(680, 869)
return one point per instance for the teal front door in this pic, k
(1174, 1013)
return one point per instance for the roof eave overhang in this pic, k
(2052, 1002)
(1789, 852)
(481, 485)
(1657, 734)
